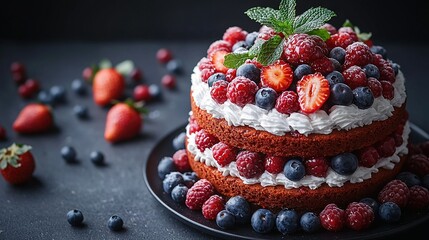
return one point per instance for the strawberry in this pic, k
(123, 122)
(17, 163)
(218, 58)
(313, 91)
(34, 118)
(108, 85)
(277, 76)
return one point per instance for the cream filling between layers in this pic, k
(340, 117)
(332, 178)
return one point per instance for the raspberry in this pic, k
(141, 93)
(254, 62)
(274, 164)
(388, 90)
(322, 65)
(358, 53)
(206, 73)
(386, 71)
(287, 102)
(418, 164)
(212, 207)
(249, 164)
(241, 91)
(230, 74)
(375, 87)
(301, 48)
(419, 197)
(219, 45)
(205, 63)
(368, 156)
(198, 194)
(218, 91)
(359, 216)
(355, 77)
(163, 55)
(350, 31)
(339, 40)
(395, 191)
(316, 166)
(387, 147)
(322, 45)
(332, 217)
(223, 153)
(266, 33)
(180, 159)
(331, 29)
(205, 140)
(234, 34)
(193, 125)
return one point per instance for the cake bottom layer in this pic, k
(300, 199)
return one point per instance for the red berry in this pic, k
(386, 71)
(317, 166)
(234, 34)
(212, 207)
(219, 45)
(3, 134)
(24, 91)
(266, 33)
(205, 63)
(419, 197)
(18, 77)
(33, 85)
(230, 74)
(395, 191)
(205, 140)
(141, 93)
(224, 153)
(87, 73)
(368, 42)
(180, 160)
(277, 76)
(332, 218)
(206, 73)
(375, 87)
(218, 58)
(241, 91)
(322, 45)
(163, 55)
(418, 164)
(313, 91)
(301, 48)
(359, 216)
(357, 53)
(274, 164)
(368, 156)
(322, 65)
(136, 74)
(287, 102)
(169, 81)
(388, 90)
(218, 91)
(387, 147)
(17, 67)
(254, 62)
(331, 29)
(355, 76)
(339, 40)
(350, 31)
(193, 125)
(249, 164)
(198, 194)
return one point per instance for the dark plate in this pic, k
(195, 219)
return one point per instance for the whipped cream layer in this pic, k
(332, 178)
(340, 117)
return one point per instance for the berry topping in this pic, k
(368, 156)
(193, 125)
(263, 221)
(302, 70)
(287, 221)
(419, 197)
(287, 102)
(359, 216)
(205, 140)
(379, 50)
(241, 91)
(224, 153)
(310, 222)
(234, 34)
(386, 71)
(341, 94)
(388, 90)
(274, 164)
(339, 40)
(323, 65)
(230, 74)
(250, 38)
(294, 170)
(332, 218)
(250, 71)
(317, 166)
(75, 217)
(338, 53)
(335, 77)
(115, 223)
(218, 58)
(386, 148)
(198, 194)
(375, 87)
(389, 212)
(266, 98)
(331, 29)
(395, 191)
(313, 91)
(362, 97)
(239, 208)
(219, 45)
(249, 164)
(180, 159)
(301, 48)
(350, 31)
(371, 71)
(355, 77)
(215, 77)
(219, 91)
(344, 163)
(277, 76)
(418, 164)
(212, 207)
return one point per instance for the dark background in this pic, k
(404, 21)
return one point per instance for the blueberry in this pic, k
(179, 141)
(341, 94)
(371, 71)
(266, 98)
(171, 180)
(225, 220)
(344, 163)
(250, 71)
(336, 64)
(262, 221)
(174, 66)
(396, 68)
(80, 111)
(75, 217)
(189, 178)
(250, 38)
(215, 77)
(301, 70)
(45, 97)
(78, 86)
(58, 94)
(379, 50)
(239, 44)
(68, 153)
(165, 166)
(287, 221)
(239, 208)
(334, 77)
(372, 203)
(154, 91)
(390, 212)
(115, 223)
(97, 158)
(310, 222)
(338, 53)
(409, 178)
(178, 194)
(362, 97)
(294, 170)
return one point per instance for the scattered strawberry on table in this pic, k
(108, 84)
(17, 163)
(34, 118)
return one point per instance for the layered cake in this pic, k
(297, 116)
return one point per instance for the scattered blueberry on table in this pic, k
(75, 217)
(115, 223)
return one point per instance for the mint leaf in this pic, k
(321, 32)
(312, 19)
(347, 23)
(263, 16)
(234, 60)
(271, 50)
(287, 10)
(364, 36)
(125, 67)
(256, 48)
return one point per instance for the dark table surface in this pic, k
(38, 209)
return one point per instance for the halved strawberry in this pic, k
(313, 91)
(218, 58)
(277, 76)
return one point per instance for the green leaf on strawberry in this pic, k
(10, 155)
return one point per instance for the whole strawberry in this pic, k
(123, 122)
(108, 85)
(34, 118)
(17, 163)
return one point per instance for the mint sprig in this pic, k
(362, 36)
